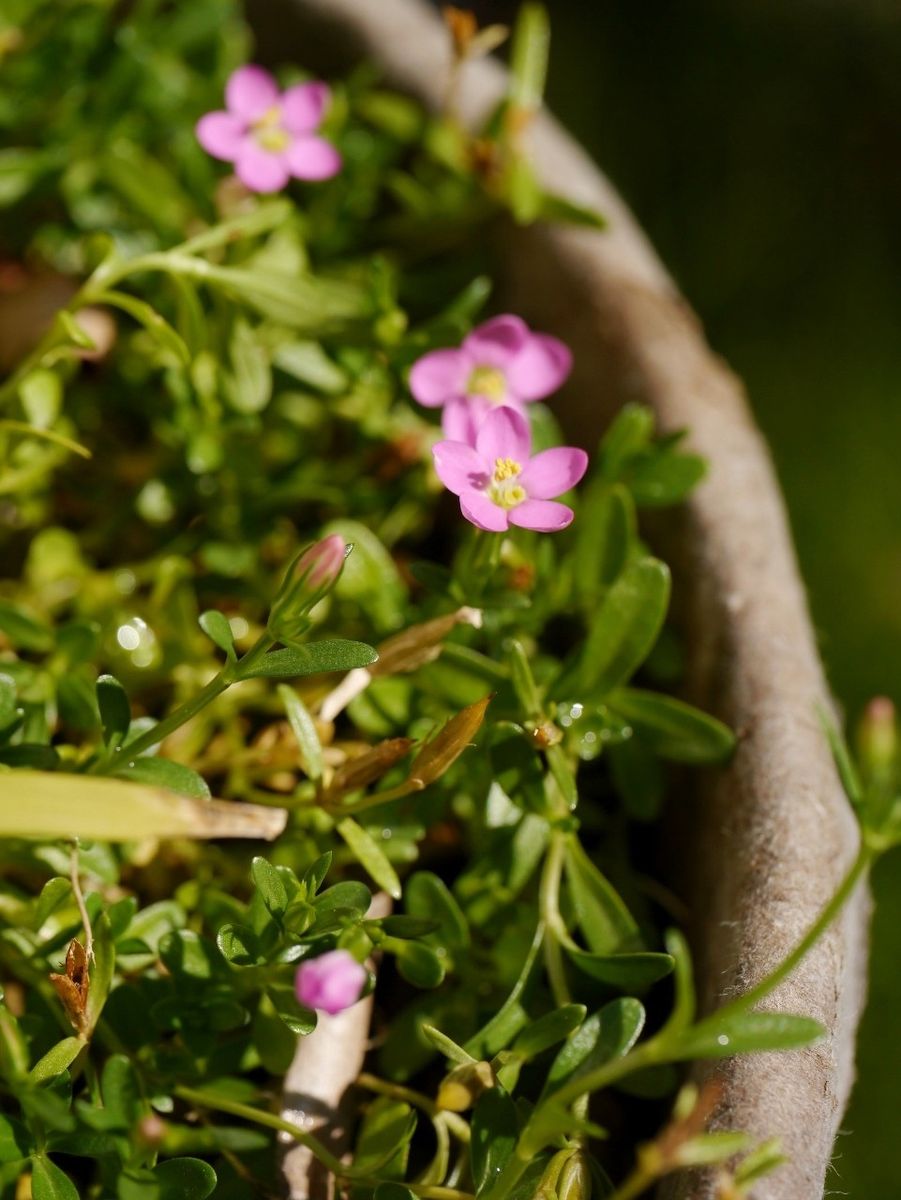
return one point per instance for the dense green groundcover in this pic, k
(455, 721)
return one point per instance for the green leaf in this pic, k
(383, 1141)
(300, 1020)
(188, 956)
(605, 536)
(626, 625)
(48, 1182)
(215, 625)
(665, 477)
(675, 730)
(13, 1048)
(51, 805)
(270, 885)
(607, 1034)
(684, 1004)
(41, 393)
(529, 56)
(309, 363)
(562, 210)
(101, 970)
(19, 169)
(185, 1179)
(418, 964)
(122, 1102)
(15, 1140)
(427, 896)
(251, 379)
(57, 1059)
(348, 897)
(445, 1045)
(312, 305)
(599, 910)
(370, 856)
(115, 710)
(24, 631)
(629, 972)
(739, 1033)
(163, 772)
(548, 1029)
(238, 945)
(271, 1037)
(315, 659)
(629, 434)
(304, 730)
(55, 892)
(370, 576)
(315, 874)
(494, 1133)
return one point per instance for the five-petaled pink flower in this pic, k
(331, 982)
(270, 135)
(502, 362)
(499, 482)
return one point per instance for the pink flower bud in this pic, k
(331, 982)
(322, 563)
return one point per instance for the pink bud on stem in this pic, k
(331, 982)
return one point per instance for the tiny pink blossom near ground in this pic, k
(270, 135)
(502, 362)
(331, 982)
(500, 483)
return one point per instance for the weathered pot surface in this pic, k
(771, 836)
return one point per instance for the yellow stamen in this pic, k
(268, 131)
(488, 382)
(504, 490)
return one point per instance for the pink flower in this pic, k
(331, 982)
(500, 362)
(499, 482)
(270, 135)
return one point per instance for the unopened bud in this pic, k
(151, 1130)
(310, 577)
(575, 1179)
(878, 736)
(463, 1086)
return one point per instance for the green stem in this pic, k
(181, 715)
(397, 1091)
(248, 1113)
(549, 907)
(769, 983)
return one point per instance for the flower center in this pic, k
(268, 131)
(488, 382)
(503, 489)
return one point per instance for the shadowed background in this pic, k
(760, 146)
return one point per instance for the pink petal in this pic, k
(303, 107)
(483, 513)
(504, 434)
(259, 170)
(221, 134)
(541, 366)
(459, 468)
(250, 92)
(461, 418)
(547, 516)
(312, 158)
(497, 342)
(553, 472)
(438, 376)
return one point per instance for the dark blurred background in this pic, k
(759, 143)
